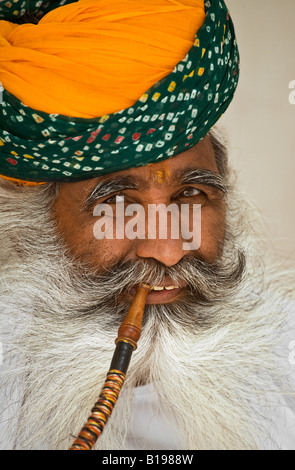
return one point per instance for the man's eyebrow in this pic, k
(109, 186)
(114, 184)
(202, 176)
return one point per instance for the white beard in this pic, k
(215, 379)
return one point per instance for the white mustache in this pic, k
(207, 282)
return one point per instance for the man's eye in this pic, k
(190, 192)
(115, 199)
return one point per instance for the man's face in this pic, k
(182, 179)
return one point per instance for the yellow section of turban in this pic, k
(96, 57)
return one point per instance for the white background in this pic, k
(260, 122)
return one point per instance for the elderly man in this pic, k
(110, 107)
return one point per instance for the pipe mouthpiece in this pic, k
(130, 329)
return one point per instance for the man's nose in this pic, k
(168, 251)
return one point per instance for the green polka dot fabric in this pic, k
(11, 10)
(171, 117)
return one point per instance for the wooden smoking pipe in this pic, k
(126, 342)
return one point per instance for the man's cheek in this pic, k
(103, 254)
(212, 235)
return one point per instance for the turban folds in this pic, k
(100, 86)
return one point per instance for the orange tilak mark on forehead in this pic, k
(159, 176)
(160, 173)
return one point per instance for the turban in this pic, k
(97, 86)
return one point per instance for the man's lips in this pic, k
(161, 294)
